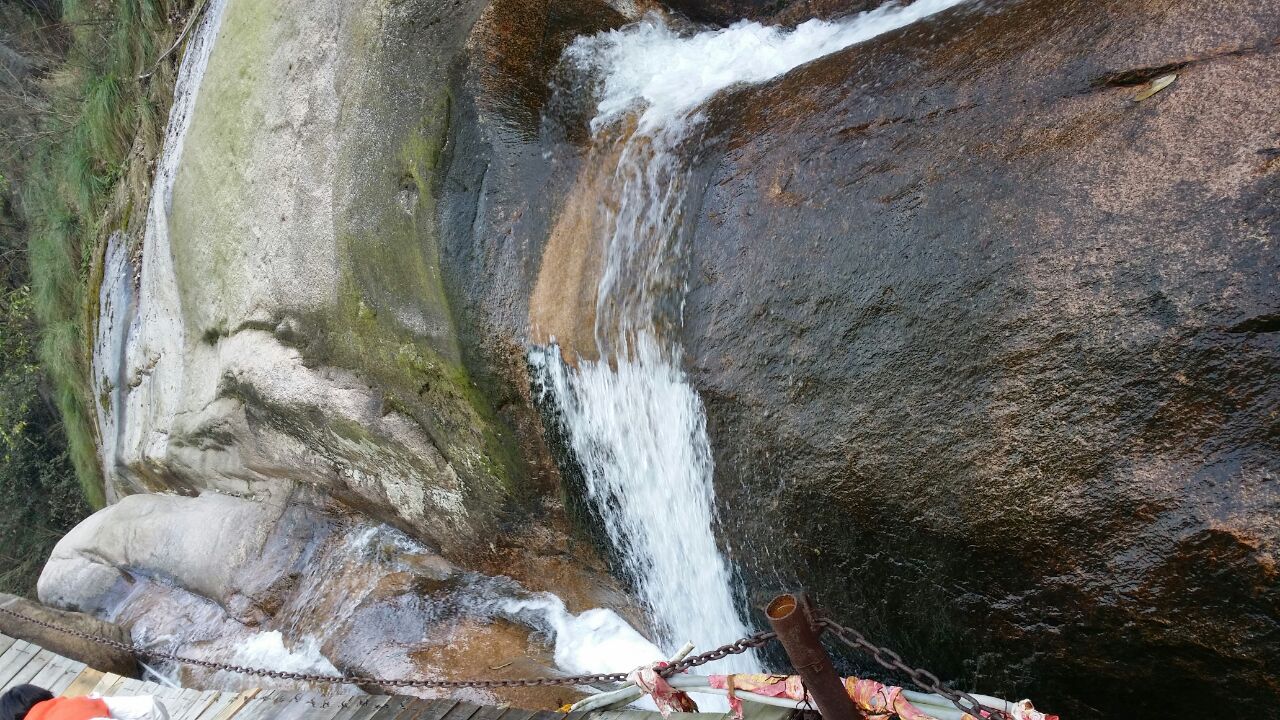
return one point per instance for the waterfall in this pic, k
(634, 423)
(125, 342)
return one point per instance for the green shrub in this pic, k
(39, 499)
(98, 113)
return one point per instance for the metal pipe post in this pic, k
(793, 622)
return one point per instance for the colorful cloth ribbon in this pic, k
(881, 702)
(783, 686)
(667, 698)
(875, 700)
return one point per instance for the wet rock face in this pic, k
(217, 576)
(989, 348)
(501, 186)
(725, 12)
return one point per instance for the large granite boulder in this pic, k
(299, 586)
(988, 346)
(292, 324)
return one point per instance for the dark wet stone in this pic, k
(988, 348)
(498, 198)
(725, 12)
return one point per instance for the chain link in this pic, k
(890, 660)
(854, 639)
(733, 648)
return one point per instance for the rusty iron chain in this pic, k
(890, 660)
(733, 648)
(854, 639)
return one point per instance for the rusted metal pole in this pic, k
(791, 618)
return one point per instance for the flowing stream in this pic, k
(633, 421)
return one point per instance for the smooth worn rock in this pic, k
(293, 325)
(95, 655)
(231, 580)
(988, 347)
(202, 544)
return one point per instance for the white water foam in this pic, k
(594, 641)
(268, 650)
(639, 433)
(651, 66)
(634, 423)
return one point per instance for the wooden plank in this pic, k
(49, 673)
(343, 705)
(14, 660)
(516, 714)
(19, 647)
(327, 708)
(114, 687)
(6, 642)
(366, 709)
(351, 705)
(202, 701)
(84, 683)
(182, 701)
(33, 668)
(104, 683)
(163, 690)
(290, 698)
(71, 670)
(217, 701)
(130, 687)
(301, 706)
(420, 709)
(462, 711)
(243, 711)
(392, 709)
(237, 703)
(57, 674)
(417, 709)
(631, 715)
(220, 702)
(488, 712)
(266, 705)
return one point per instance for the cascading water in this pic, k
(131, 333)
(635, 425)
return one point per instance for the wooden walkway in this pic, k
(21, 662)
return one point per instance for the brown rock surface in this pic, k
(791, 12)
(989, 348)
(95, 655)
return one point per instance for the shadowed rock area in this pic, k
(725, 12)
(989, 348)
